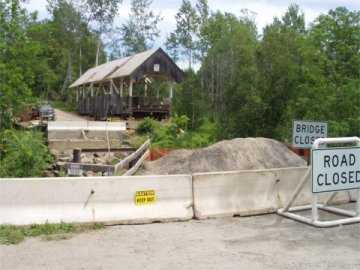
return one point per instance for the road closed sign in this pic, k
(335, 169)
(305, 133)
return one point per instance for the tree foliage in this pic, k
(23, 154)
(141, 30)
(257, 86)
(185, 41)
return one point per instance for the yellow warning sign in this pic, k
(145, 197)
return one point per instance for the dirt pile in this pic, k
(237, 154)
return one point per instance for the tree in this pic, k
(229, 75)
(141, 30)
(189, 99)
(183, 39)
(336, 37)
(66, 47)
(101, 13)
(281, 66)
(18, 56)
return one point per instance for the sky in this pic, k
(264, 10)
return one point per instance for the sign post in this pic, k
(333, 170)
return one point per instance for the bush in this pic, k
(23, 154)
(147, 127)
(175, 135)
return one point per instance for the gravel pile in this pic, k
(237, 154)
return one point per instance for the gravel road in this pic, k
(68, 116)
(262, 242)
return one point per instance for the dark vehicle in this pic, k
(46, 112)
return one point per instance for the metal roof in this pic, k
(115, 69)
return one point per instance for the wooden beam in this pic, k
(92, 90)
(171, 90)
(121, 87)
(114, 86)
(130, 95)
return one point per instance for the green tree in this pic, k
(18, 56)
(102, 14)
(281, 66)
(141, 30)
(189, 99)
(184, 39)
(229, 74)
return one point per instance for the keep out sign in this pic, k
(305, 133)
(335, 169)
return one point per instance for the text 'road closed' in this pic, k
(335, 169)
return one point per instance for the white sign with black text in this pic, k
(335, 169)
(305, 133)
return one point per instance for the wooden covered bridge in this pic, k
(138, 85)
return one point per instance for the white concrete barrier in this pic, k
(87, 125)
(246, 193)
(85, 129)
(98, 199)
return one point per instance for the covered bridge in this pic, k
(141, 84)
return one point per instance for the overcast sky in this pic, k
(265, 10)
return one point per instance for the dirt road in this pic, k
(263, 242)
(68, 116)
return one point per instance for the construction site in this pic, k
(183, 134)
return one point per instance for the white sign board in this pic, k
(305, 133)
(335, 169)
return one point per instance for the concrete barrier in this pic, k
(99, 199)
(85, 130)
(247, 193)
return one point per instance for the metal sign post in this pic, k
(333, 170)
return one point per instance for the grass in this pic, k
(12, 235)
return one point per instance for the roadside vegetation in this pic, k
(12, 235)
(176, 133)
(23, 153)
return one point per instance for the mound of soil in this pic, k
(232, 155)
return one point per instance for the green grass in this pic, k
(12, 235)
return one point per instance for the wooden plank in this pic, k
(125, 162)
(135, 168)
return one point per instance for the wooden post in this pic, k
(130, 95)
(111, 88)
(171, 90)
(77, 155)
(121, 88)
(92, 90)
(77, 94)
(145, 89)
